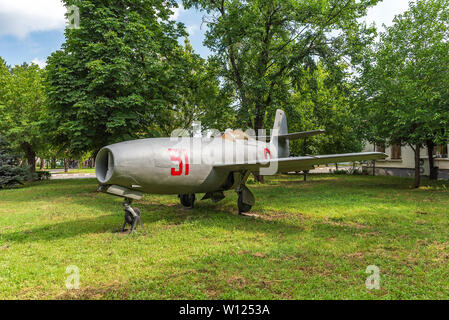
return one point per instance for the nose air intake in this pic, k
(104, 165)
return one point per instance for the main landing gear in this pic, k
(246, 199)
(243, 207)
(132, 216)
(187, 200)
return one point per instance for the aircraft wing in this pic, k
(301, 163)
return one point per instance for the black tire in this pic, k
(187, 200)
(243, 207)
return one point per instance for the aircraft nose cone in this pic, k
(104, 165)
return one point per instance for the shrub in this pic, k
(340, 172)
(11, 173)
(43, 175)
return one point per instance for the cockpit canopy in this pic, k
(233, 135)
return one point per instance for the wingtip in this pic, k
(382, 155)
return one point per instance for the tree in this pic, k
(405, 80)
(114, 77)
(22, 101)
(10, 170)
(262, 45)
(197, 96)
(319, 101)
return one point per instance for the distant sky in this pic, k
(30, 30)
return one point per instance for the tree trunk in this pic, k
(433, 171)
(66, 165)
(417, 166)
(42, 164)
(53, 162)
(258, 123)
(31, 158)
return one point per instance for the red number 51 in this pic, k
(176, 156)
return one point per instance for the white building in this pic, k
(401, 161)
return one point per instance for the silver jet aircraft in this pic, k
(189, 166)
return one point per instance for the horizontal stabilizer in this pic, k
(294, 136)
(301, 135)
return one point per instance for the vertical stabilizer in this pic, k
(280, 127)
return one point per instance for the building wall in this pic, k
(405, 166)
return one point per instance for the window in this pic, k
(396, 153)
(441, 151)
(380, 147)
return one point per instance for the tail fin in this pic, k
(280, 128)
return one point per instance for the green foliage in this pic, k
(197, 96)
(340, 172)
(318, 102)
(10, 171)
(115, 76)
(263, 46)
(43, 175)
(405, 80)
(22, 101)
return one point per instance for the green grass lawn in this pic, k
(307, 240)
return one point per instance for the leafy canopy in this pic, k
(22, 102)
(405, 78)
(114, 76)
(263, 46)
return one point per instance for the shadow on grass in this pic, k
(207, 217)
(111, 220)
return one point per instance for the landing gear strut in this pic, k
(187, 200)
(246, 199)
(132, 216)
(243, 207)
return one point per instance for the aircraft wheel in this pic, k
(187, 200)
(243, 207)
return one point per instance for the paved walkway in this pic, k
(329, 169)
(57, 175)
(72, 176)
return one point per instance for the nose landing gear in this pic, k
(132, 216)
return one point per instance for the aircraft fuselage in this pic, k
(171, 166)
